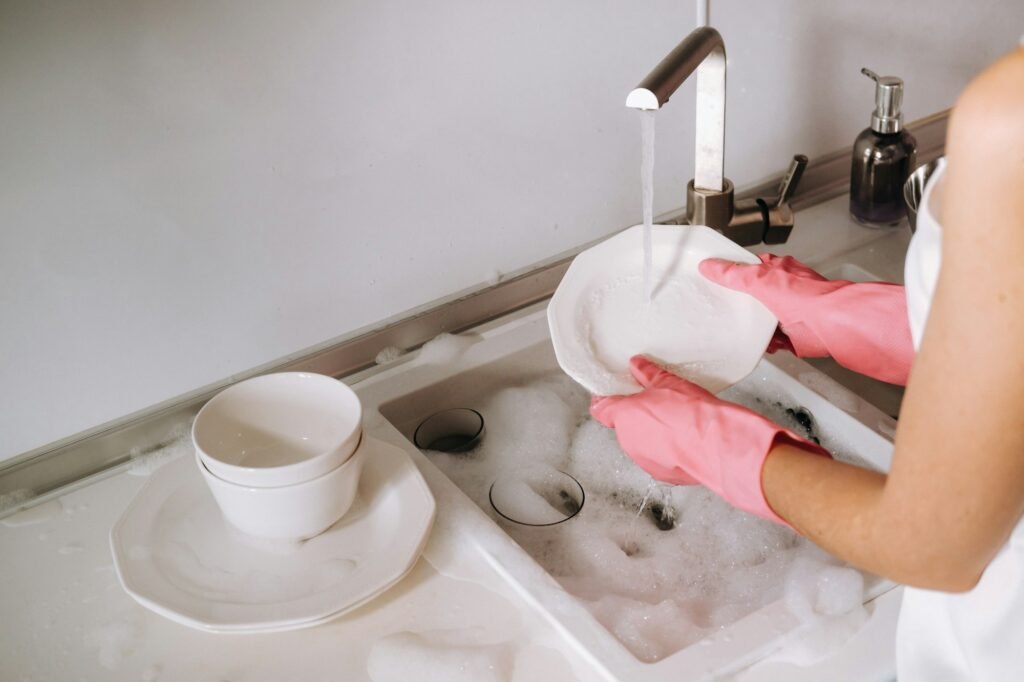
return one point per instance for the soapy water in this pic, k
(661, 567)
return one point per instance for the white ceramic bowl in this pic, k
(278, 429)
(291, 512)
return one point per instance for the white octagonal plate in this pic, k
(177, 556)
(599, 316)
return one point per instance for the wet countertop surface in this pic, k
(66, 616)
(453, 617)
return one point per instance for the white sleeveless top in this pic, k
(976, 635)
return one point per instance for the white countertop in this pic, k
(67, 618)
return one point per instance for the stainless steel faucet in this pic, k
(710, 195)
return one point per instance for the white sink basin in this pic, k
(516, 350)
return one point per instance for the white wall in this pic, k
(190, 189)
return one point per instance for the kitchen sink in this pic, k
(592, 536)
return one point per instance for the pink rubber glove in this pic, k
(863, 326)
(682, 434)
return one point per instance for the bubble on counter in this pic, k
(493, 276)
(444, 349)
(72, 508)
(152, 673)
(15, 498)
(144, 463)
(40, 513)
(410, 656)
(388, 354)
(114, 642)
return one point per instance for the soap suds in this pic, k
(14, 498)
(41, 513)
(445, 348)
(388, 354)
(144, 463)
(688, 565)
(115, 642)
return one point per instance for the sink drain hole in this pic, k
(459, 429)
(536, 495)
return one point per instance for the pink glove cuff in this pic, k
(743, 447)
(863, 325)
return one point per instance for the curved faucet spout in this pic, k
(702, 51)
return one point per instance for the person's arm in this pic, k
(956, 487)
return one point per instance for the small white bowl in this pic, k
(291, 512)
(278, 429)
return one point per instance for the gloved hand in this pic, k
(863, 326)
(682, 434)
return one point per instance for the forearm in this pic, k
(846, 510)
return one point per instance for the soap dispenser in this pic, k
(883, 156)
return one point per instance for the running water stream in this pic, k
(647, 184)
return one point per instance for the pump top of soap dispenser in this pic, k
(886, 118)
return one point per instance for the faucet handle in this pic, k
(754, 221)
(792, 178)
(778, 215)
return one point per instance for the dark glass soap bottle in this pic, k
(883, 157)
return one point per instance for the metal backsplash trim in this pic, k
(68, 461)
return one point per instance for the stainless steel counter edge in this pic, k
(38, 474)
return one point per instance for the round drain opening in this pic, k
(459, 429)
(536, 495)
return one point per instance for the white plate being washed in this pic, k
(599, 317)
(175, 554)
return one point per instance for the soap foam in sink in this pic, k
(686, 567)
(828, 598)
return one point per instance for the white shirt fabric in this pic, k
(976, 635)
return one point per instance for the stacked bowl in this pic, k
(282, 453)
